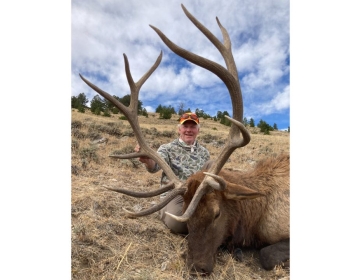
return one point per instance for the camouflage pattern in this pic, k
(183, 159)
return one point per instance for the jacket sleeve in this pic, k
(162, 151)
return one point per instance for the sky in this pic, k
(102, 31)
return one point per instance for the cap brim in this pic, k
(182, 121)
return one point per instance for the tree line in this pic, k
(101, 106)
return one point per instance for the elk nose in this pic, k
(201, 269)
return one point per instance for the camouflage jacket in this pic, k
(183, 159)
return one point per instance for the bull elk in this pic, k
(221, 207)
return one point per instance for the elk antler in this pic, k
(230, 77)
(131, 113)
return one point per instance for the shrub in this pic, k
(109, 129)
(208, 138)
(127, 150)
(81, 109)
(107, 113)
(77, 133)
(93, 135)
(89, 154)
(76, 124)
(75, 170)
(115, 131)
(74, 145)
(169, 134)
(128, 132)
(97, 111)
(265, 127)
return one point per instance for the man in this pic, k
(185, 156)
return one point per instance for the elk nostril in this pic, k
(204, 273)
(200, 271)
(238, 255)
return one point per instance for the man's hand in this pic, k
(146, 160)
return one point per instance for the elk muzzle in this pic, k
(203, 266)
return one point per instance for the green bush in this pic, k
(169, 134)
(76, 125)
(108, 129)
(77, 133)
(81, 109)
(107, 113)
(74, 145)
(89, 154)
(208, 138)
(265, 127)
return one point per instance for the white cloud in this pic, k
(279, 102)
(103, 30)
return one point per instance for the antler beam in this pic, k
(131, 113)
(230, 78)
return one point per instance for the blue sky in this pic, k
(259, 30)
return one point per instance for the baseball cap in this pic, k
(189, 117)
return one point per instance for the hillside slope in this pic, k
(108, 245)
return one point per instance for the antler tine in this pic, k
(161, 190)
(131, 113)
(157, 207)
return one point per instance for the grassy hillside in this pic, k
(108, 245)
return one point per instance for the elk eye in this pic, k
(217, 214)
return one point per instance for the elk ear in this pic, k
(239, 192)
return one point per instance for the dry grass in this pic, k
(108, 245)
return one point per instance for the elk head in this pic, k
(201, 184)
(215, 219)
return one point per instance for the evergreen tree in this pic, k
(199, 112)
(97, 111)
(126, 100)
(181, 109)
(245, 121)
(252, 122)
(167, 112)
(82, 99)
(144, 113)
(206, 116)
(159, 109)
(97, 105)
(224, 120)
(79, 101)
(265, 127)
(81, 109)
(106, 112)
(74, 102)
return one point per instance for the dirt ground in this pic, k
(106, 244)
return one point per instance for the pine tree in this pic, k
(252, 122)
